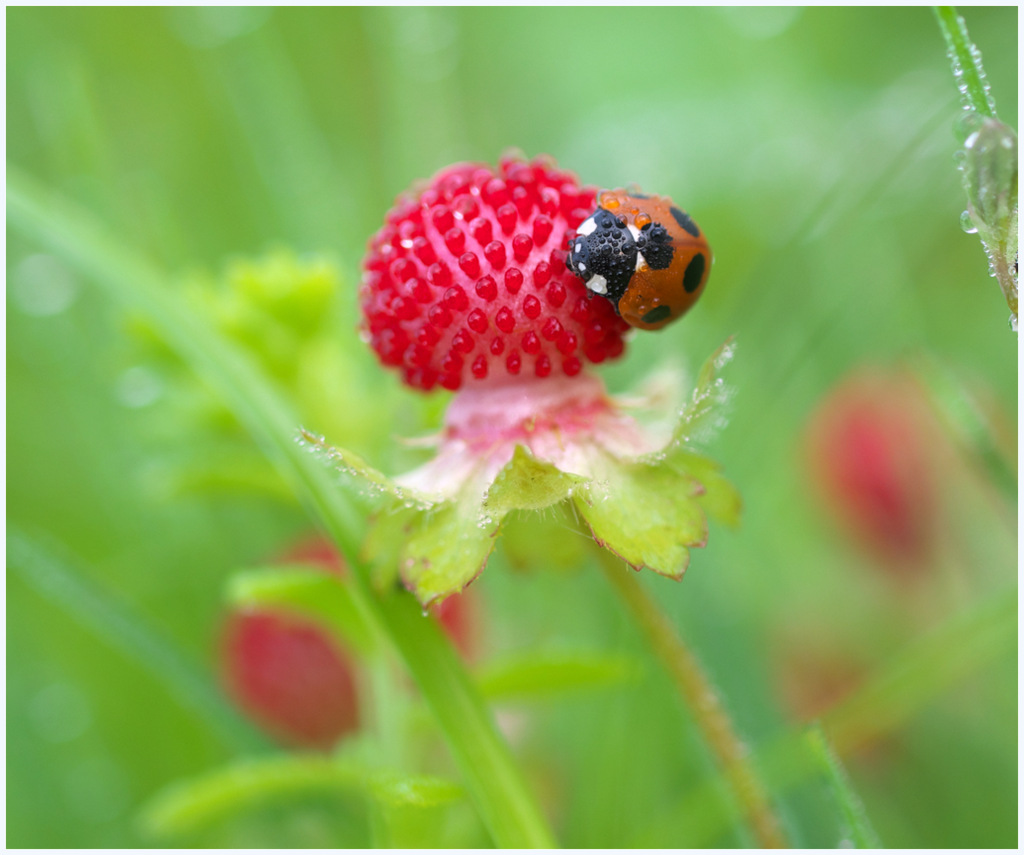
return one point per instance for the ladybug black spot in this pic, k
(659, 313)
(684, 221)
(694, 273)
(655, 245)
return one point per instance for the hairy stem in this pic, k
(711, 717)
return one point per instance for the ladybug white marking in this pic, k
(598, 284)
(587, 227)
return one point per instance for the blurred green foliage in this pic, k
(814, 147)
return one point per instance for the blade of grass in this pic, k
(64, 585)
(492, 779)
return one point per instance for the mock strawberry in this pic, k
(297, 680)
(290, 677)
(871, 448)
(467, 279)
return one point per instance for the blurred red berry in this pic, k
(871, 446)
(467, 279)
(290, 675)
(291, 678)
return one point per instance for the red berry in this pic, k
(288, 676)
(466, 282)
(871, 447)
(291, 677)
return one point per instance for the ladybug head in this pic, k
(604, 254)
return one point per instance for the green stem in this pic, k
(700, 696)
(492, 779)
(966, 62)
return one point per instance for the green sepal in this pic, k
(720, 499)
(703, 416)
(550, 540)
(438, 550)
(528, 484)
(448, 546)
(375, 481)
(989, 171)
(647, 514)
(650, 510)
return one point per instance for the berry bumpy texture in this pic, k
(467, 281)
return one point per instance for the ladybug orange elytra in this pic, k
(644, 254)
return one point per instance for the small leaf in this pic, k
(646, 514)
(308, 591)
(538, 674)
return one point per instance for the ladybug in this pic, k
(642, 253)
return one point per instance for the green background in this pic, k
(815, 149)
